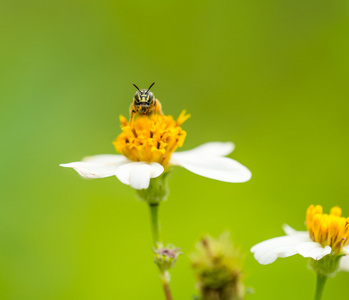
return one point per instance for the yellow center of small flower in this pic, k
(331, 230)
(151, 138)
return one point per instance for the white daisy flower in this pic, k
(148, 151)
(327, 234)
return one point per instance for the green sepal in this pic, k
(326, 266)
(157, 190)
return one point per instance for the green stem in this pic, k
(166, 286)
(320, 284)
(155, 224)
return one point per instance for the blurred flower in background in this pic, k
(217, 266)
(326, 242)
(328, 234)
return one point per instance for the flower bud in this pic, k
(166, 257)
(216, 263)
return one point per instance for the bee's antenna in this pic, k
(150, 87)
(138, 88)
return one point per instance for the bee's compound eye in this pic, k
(151, 97)
(137, 97)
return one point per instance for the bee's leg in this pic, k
(158, 109)
(132, 117)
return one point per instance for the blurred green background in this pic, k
(271, 76)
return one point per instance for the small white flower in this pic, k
(327, 234)
(206, 160)
(295, 242)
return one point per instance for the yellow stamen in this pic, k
(151, 138)
(336, 211)
(328, 229)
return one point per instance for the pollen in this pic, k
(328, 229)
(151, 138)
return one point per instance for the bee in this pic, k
(144, 104)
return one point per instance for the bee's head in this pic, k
(143, 98)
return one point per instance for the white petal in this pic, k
(214, 167)
(290, 231)
(105, 159)
(345, 250)
(344, 263)
(209, 149)
(97, 168)
(313, 250)
(268, 251)
(138, 174)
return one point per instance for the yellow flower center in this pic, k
(331, 230)
(151, 138)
